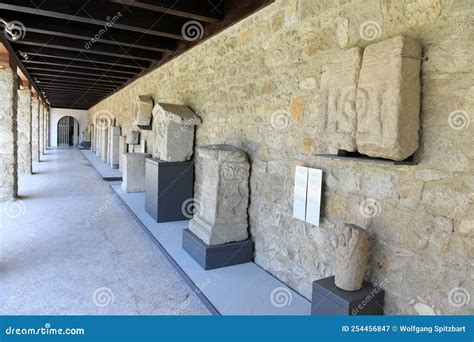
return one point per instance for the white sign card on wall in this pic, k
(313, 197)
(299, 198)
(307, 194)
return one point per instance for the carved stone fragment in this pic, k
(222, 196)
(351, 257)
(388, 99)
(338, 95)
(173, 131)
(144, 108)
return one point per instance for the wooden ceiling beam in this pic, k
(80, 72)
(94, 13)
(88, 34)
(44, 41)
(53, 78)
(210, 11)
(77, 65)
(82, 57)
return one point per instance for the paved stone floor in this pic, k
(70, 247)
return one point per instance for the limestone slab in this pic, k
(144, 111)
(173, 132)
(132, 138)
(388, 99)
(114, 147)
(338, 99)
(134, 171)
(222, 195)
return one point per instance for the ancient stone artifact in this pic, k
(144, 108)
(223, 195)
(371, 104)
(338, 99)
(351, 257)
(114, 147)
(86, 134)
(134, 172)
(173, 132)
(388, 99)
(132, 138)
(122, 150)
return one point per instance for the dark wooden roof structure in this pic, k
(79, 52)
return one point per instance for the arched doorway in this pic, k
(68, 132)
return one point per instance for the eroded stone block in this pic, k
(132, 138)
(223, 195)
(338, 96)
(144, 108)
(351, 257)
(122, 150)
(134, 172)
(114, 147)
(173, 131)
(388, 99)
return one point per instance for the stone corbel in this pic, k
(144, 112)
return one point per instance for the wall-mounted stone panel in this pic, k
(388, 99)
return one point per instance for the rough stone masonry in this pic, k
(257, 86)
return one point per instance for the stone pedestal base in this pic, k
(217, 256)
(168, 186)
(134, 172)
(328, 299)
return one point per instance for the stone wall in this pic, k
(257, 86)
(24, 131)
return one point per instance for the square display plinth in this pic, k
(168, 186)
(328, 299)
(211, 257)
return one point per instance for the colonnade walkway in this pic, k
(69, 247)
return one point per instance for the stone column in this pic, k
(8, 133)
(41, 130)
(46, 130)
(24, 131)
(34, 129)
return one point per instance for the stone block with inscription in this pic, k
(222, 196)
(338, 96)
(388, 99)
(173, 131)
